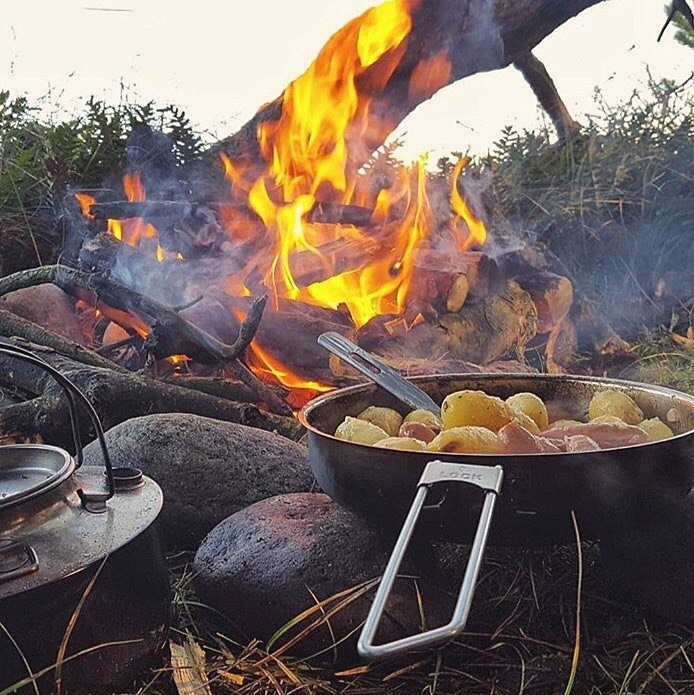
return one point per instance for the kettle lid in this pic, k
(29, 470)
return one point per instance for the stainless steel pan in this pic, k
(455, 495)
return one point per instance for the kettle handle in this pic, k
(488, 479)
(92, 501)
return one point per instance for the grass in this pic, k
(521, 638)
(661, 361)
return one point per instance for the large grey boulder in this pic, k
(207, 469)
(268, 563)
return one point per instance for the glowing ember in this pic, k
(86, 201)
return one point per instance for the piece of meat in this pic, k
(416, 430)
(580, 442)
(516, 439)
(606, 436)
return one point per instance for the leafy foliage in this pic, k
(41, 159)
(615, 208)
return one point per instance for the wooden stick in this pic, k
(128, 395)
(169, 330)
(154, 210)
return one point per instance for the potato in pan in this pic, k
(474, 422)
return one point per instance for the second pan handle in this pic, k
(378, 372)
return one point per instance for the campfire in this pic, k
(201, 306)
(336, 234)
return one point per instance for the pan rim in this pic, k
(305, 413)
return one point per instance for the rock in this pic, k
(206, 468)
(49, 307)
(270, 562)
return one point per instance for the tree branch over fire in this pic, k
(536, 75)
(448, 40)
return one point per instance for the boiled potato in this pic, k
(532, 405)
(359, 431)
(425, 417)
(403, 443)
(656, 429)
(524, 420)
(475, 408)
(617, 404)
(466, 440)
(387, 419)
(608, 420)
(562, 423)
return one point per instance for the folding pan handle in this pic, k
(488, 479)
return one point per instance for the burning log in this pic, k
(481, 332)
(293, 335)
(117, 397)
(169, 333)
(552, 294)
(444, 280)
(448, 40)
(151, 210)
(163, 211)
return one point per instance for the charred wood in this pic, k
(481, 332)
(220, 388)
(118, 397)
(552, 294)
(158, 211)
(169, 333)
(474, 37)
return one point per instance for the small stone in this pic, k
(207, 468)
(270, 562)
(49, 307)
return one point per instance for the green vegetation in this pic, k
(615, 209)
(41, 159)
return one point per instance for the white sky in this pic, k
(221, 60)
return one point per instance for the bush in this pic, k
(615, 208)
(40, 160)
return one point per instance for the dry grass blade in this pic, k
(349, 595)
(21, 656)
(16, 687)
(657, 672)
(71, 625)
(579, 586)
(189, 669)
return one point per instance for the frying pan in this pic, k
(452, 496)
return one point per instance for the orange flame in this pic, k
(307, 160)
(476, 231)
(263, 362)
(86, 201)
